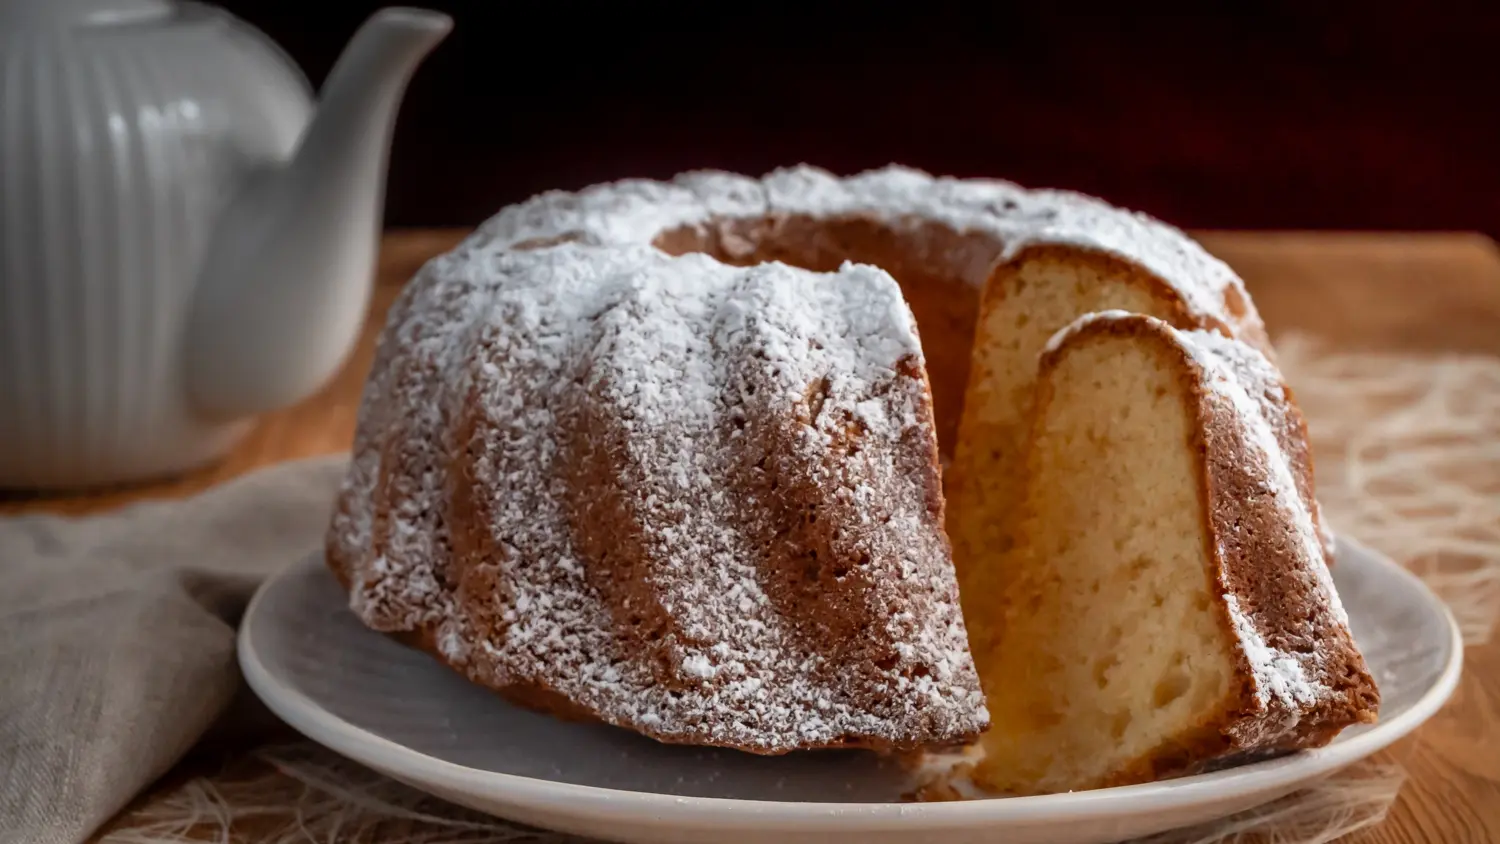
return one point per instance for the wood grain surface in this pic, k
(1390, 292)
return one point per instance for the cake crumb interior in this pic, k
(1112, 637)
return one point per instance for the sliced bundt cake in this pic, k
(620, 459)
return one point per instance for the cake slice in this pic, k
(1168, 604)
(1027, 299)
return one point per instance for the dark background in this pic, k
(1263, 115)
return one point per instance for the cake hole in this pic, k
(1043, 715)
(1101, 669)
(1049, 662)
(1170, 687)
(840, 572)
(1158, 599)
(887, 662)
(864, 559)
(920, 671)
(1137, 568)
(1119, 724)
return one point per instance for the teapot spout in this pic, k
(288, 273)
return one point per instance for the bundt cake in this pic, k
(702, 502)
(666, 455)
(1169, 604)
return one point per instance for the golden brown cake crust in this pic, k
(1301, 679)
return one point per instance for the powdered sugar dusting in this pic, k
(1278, 676)
(1287, 683)
(1263, 383)
(636, 211)
(1234, 368)
(627, 426)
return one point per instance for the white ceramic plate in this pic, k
(399, 712)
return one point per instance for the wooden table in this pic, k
(1399, 292)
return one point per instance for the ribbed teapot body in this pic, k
(126, 127)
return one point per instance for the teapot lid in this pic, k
(81, 12)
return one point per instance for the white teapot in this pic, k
(185, 240)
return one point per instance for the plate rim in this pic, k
(308, 717)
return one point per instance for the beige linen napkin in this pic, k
(117, 639)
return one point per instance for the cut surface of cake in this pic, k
(1026, 300)
(1168, 605)
(698, 501)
